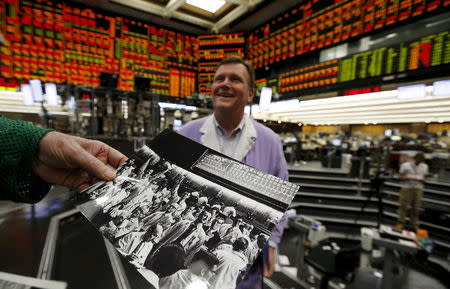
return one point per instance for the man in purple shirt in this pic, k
(229, 131)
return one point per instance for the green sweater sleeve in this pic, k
(19, 143)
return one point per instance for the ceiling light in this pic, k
(210, 5)
(392, 35)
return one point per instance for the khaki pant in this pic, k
(410, 197)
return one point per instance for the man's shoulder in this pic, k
(193, 125)
(406, 165)
(423, 166)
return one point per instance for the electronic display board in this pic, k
(311, 76)
(212, 49)
(63, 42)
(429, 51)
(320, 23)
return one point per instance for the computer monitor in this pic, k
(337, 142)
(108, 79)
(177, 124)
(265, 98)
(51, 94)
(141, 83)
(27, 94)
(36, 89)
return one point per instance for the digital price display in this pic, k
(320, 23)
(213, 48)
(316, 75)
(426, 52)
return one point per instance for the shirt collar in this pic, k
(238, 128)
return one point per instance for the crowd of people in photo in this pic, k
(155, 219)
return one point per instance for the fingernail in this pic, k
(110, 174)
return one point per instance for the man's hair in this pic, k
(241, 244)
(419, 157)
(261, 240)
(248, 66)
(209, 258)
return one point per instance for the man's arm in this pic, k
(32, 158)
(275, 238)
(402, 176)
(19, 142)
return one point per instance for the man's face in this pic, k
(205, 217)
(230, 89)
(171, 209)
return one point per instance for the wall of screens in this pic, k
(66, 43)
(426, 52)
(213, 48)
(433, 50)
(320, 23)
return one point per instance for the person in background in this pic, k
(232, 133)
(232, 263)
(32, 158)
(196, 275)
(413, 175)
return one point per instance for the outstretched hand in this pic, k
(75, 162)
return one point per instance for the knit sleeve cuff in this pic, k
(19, 144)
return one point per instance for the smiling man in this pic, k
(229, 131)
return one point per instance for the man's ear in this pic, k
(251, 95)
(203, 272)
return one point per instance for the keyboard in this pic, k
(247, 177)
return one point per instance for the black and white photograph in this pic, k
(179, 229)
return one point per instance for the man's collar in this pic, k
(238, 128)
(245, 143)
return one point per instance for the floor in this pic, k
(316, 166)
(367, 276)
(24, 228)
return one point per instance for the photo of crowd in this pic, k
(177, 228)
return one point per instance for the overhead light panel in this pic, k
(210, 5)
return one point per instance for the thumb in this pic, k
(93, 165)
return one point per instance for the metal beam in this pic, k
(233, 15)
(171, 7)
(158, 10)
(238, 2)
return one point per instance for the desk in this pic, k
(390, 246)
(300, 258)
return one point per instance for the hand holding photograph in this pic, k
(186, 216)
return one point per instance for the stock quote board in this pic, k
(426, 52)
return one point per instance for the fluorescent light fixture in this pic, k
(209, 5)
(441, 88)
(176, 106)
(27, 94)
(370, 108)
(51, 94)
(416, 91)
(392, 35)
(71, 103)
(255, 109)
